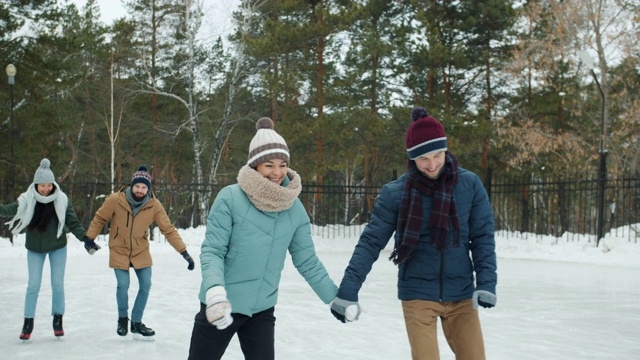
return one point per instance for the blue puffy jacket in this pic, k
(431, 274)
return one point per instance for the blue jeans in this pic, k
(35, 263)
(122, 292)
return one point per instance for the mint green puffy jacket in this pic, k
(244, 250)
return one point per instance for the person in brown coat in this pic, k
(131, 211)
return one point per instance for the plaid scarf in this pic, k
(444, 228)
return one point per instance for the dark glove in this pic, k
(90, 245)
(345, 310)
(189, 259)
(484, 299)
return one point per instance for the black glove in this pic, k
(90, 245)
(189, 259)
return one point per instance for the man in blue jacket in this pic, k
(444, 234)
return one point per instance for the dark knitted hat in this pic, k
(141, 176)
(425, 135)
(267, 144)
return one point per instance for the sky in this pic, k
(216, 23)
(557, 299)
(110, 10)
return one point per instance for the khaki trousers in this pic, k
(460, 322)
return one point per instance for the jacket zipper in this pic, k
(131, 233)
(130, 236)
(441, 273)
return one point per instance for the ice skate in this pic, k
(141, 332)
(27, 328)
(57, 325)
(122, 326)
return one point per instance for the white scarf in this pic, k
(266, 195)
(27, 203)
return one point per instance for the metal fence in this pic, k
(566, 207)
(556, 207)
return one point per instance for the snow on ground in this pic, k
(557, 299)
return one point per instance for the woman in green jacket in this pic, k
(44, 211)
(250, 228)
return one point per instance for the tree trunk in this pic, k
(485, 142)
(318, 12)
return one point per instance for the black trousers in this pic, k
(256, 334)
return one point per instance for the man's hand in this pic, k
(483, 298)
(90, 245)
(189, 259)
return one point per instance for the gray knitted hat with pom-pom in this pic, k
(267, 144)
(44, 175)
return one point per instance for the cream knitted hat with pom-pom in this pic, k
(267, 144)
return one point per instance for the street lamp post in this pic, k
(602, 171)
(11, 73)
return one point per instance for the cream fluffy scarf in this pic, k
(27, 203)
(265, 195)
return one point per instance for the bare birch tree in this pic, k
(247, 20)
(112, 129)
(542, 48)
(553, 33)
(604, 28)
(189, 29)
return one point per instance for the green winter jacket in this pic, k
(244, 250)
(47, 241)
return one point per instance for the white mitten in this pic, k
(218, 308)
(345, 310)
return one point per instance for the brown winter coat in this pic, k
(128, 235)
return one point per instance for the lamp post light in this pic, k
(602, 171)
(11, 73)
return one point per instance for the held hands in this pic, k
(345, 310)
(484, 299)
(90, 245)
(189, 259)
(218, 308)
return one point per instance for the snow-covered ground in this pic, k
(557, 299)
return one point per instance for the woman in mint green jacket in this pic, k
(250, 228)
